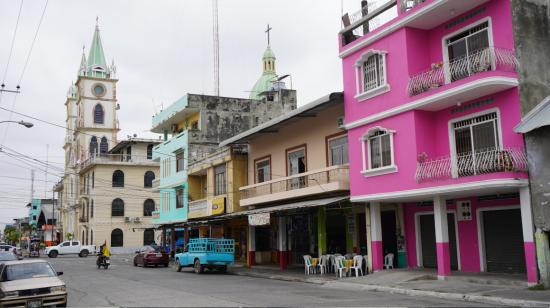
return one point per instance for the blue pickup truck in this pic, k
(210, 253)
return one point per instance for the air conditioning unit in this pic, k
(137, 219)
(340, 122)
(174, 128)
(127, 219)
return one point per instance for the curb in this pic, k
(279, 277)
(492, 300)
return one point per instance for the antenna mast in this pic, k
(216, 48)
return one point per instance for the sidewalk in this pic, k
(490, 289)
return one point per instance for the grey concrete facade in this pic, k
(531, 24)
(225, 117)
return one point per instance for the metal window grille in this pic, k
(117, 207)
(373, 72)
(220, 181)
(98, 114)
(338, 148)
(380, 149)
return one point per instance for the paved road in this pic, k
(127, 286)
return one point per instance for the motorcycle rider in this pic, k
(104, 253)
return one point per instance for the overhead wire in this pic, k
(12, 42)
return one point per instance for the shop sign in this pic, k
(218, 205)
(259, 219)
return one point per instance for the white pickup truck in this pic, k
(70, 247)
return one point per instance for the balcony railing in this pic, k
(406, 5)
(483, 162)
(299, 181)
(114, 158)
(367, 19)
(198, 205)
(442, 73)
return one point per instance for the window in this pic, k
(98, 114)
(377, 146)
(296, 164)
(118, 178)
(180, 161)
(93, 146)
(148, 207)
(66, 244)
(475, 139)
(371, 74)
(148, 237)
(103, 146)
(466, 52)
(91, 237)
(179, 198)
(166, 167)
(338, 151)
(117, 238)
(219, 180)
(92, 209)
(150, 151)
(117, 208)
(148, 179)
(165, 200)
(93, 179)
(263, 170)
(129, 153)
(195, 125)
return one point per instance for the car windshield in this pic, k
(153, 248)
(7, 256)
(27, 270)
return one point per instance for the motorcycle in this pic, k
(103, 261)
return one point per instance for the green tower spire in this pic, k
(97, 66)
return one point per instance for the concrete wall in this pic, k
(531, 22)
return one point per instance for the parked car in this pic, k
(31, 283)
(70, 247)
(7, 256)
(210, 253)
(6, 247)
(151, 255)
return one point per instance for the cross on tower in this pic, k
(267, 31)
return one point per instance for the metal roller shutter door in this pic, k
(427, 235)
(503, 241)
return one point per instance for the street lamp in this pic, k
(26, 124)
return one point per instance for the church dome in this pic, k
(268, 75)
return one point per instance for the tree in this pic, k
(12, 235)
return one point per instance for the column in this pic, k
(172, 241)
(322, 231)
(528, 245)
(186, 237)
(251, 246)
(163, 238)
(376, 237)
(442, 238)
(283, 253)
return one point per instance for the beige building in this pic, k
(106, 185)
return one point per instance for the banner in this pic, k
(259, 219)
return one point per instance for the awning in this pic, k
(271, 209)
(538, 117)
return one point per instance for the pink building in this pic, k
(431, 100)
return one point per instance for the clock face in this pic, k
(98, 90)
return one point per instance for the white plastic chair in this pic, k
(366, 260)
(340, 268)
(388, 261)
(357, 265)
(308, 266)
(323, 264)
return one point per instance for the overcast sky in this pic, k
(162, 49)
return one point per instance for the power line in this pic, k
(32, 44)
(12, 42)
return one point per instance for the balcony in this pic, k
(155, 215)
(484, 60)
(483, 162)
(331, 179)
(118, 159)
(367, 19)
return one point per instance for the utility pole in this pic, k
(53, 215)
(216, 48)
(46, 173)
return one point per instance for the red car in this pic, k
(151, 255)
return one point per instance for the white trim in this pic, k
(419, 261)
(392, 28)
(379, 171)
(501, 183)
(452, 141)
(467, 87)
(373, 92)
(480, 231)
(526, 214)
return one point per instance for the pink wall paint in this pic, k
(410, 51)
(468, 240)
(424, 131)
(443, 259)
(377, 256)
(531, 262)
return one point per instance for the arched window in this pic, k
(92, 209)
(117, 238)
(150, 151)
(91, 237)
(148, 179)
(148, 237)
(93, 146)
(117, 207)
(148, 207)
(98, 114)
(82, 239)
(103, 146)
(118, 178)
